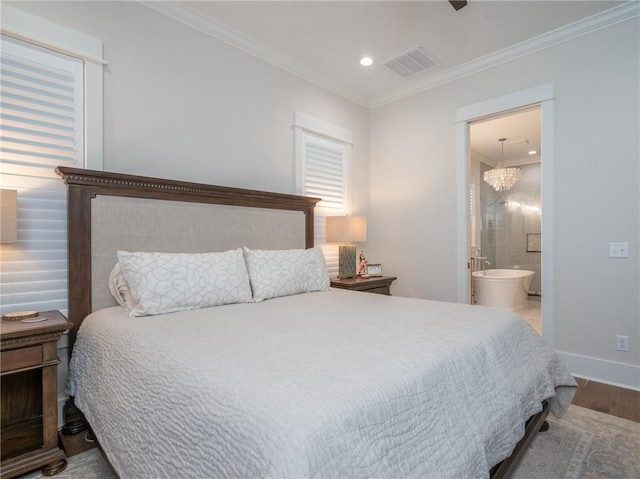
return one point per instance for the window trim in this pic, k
(322, 128)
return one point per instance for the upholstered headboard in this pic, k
(108, 212)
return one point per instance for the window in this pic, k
(323, 170)
(42, 114)
(51, 115)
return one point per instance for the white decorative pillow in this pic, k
(276, 273)
(119, 288)
(166, 282)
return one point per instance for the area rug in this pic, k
(584, 444)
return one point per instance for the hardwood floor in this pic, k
(621, 402)
(624, 403)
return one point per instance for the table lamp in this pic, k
(8, 216)
(346, 230)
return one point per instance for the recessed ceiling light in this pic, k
(366, 61)
(533, 152)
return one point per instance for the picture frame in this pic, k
(374, 269)
(534, 243)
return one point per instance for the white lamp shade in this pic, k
(8, 216)
(346, 229)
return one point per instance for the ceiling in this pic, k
(323, 41)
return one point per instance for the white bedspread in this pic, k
(333, 384)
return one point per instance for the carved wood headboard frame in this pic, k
(84, 185)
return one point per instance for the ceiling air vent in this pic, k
(410, 62)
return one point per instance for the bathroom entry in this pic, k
(505, 214)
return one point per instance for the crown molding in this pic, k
(209, 26)
(613, 16)
(228, 35)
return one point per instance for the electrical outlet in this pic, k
(618, 250)
(622, 343)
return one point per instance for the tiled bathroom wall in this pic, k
(510, 224)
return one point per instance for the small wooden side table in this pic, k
(372, 284)
(29, 416)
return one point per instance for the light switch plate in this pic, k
(618, 250)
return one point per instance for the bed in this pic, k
(292, 379)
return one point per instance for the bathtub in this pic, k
(502, 288)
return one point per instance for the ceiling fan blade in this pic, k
(458, 4)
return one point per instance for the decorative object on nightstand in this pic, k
(346, 230)
(29, 415)
(362, 266)
(374, 269)
(24, 316)
(379, 284)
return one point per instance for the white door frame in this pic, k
(541, 95)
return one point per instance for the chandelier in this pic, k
(502, 179)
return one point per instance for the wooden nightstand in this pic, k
(373, 284)
(29, 416)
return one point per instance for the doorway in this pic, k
(542, 96)
(505, 214)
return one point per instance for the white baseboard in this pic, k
(603, 371)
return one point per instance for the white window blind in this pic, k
(41, 106)
(323, 164)
(42, 125)
(325, 174)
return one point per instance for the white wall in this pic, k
(596, 173)
(180, 104)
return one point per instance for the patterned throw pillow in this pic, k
(119, 288)
(166, 282)
(276, 273)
